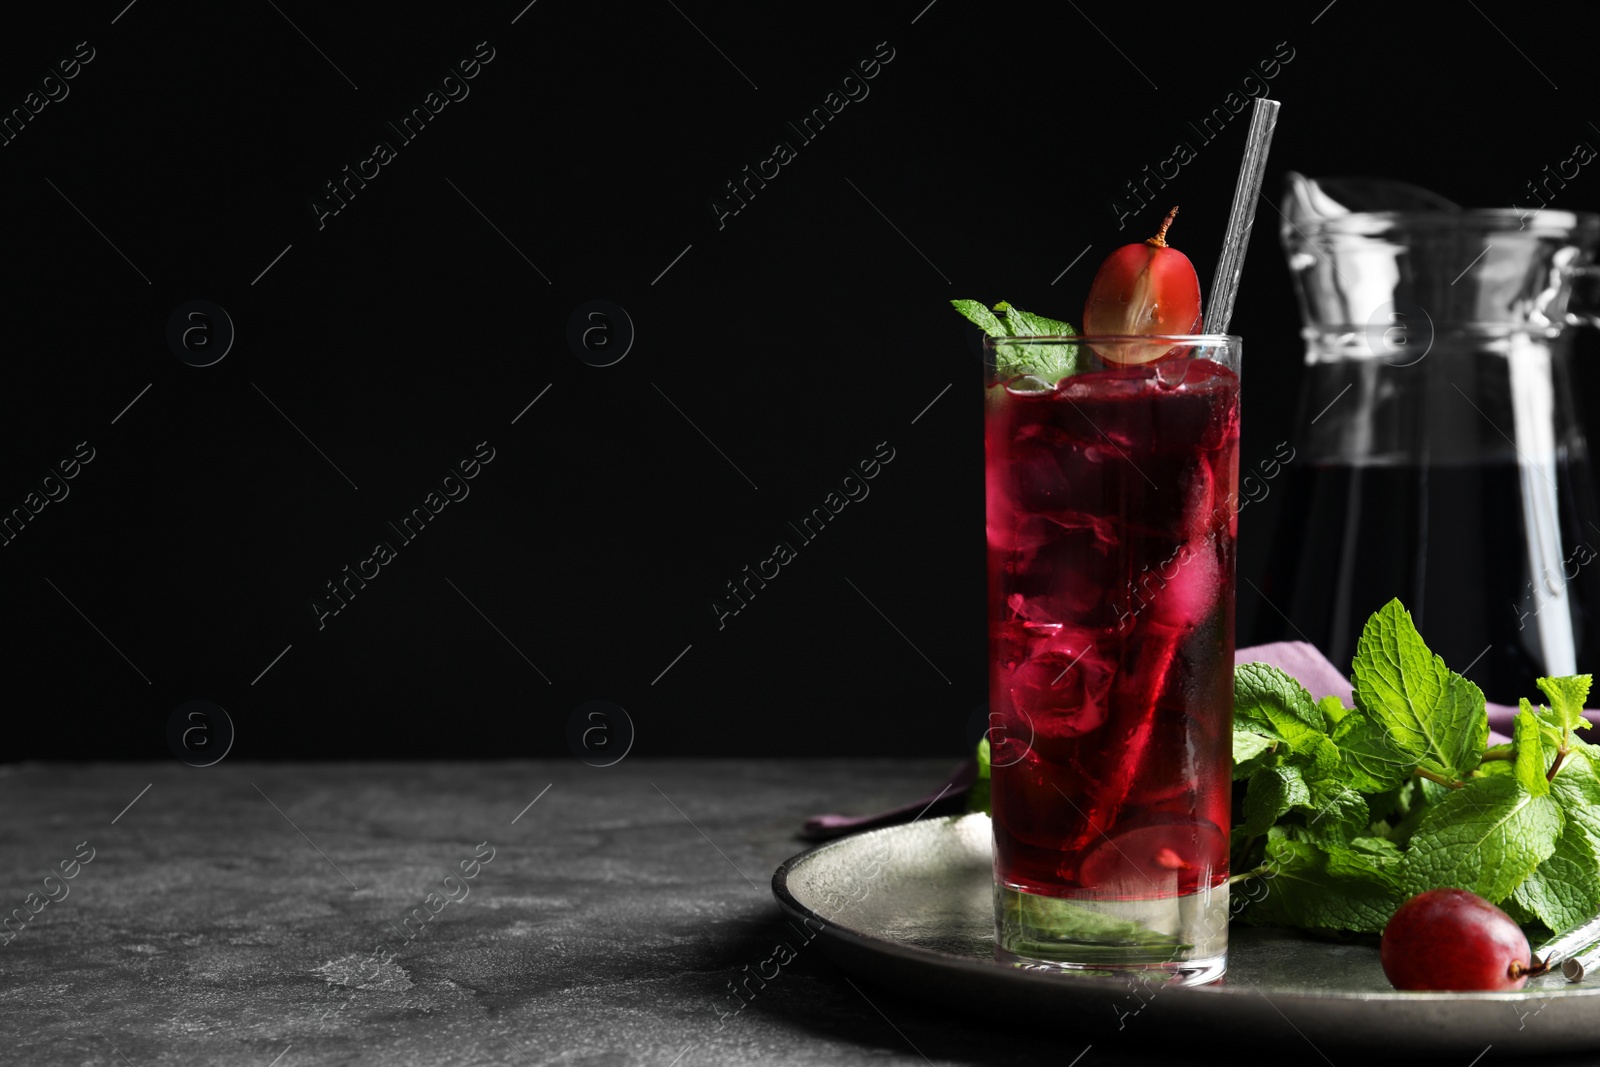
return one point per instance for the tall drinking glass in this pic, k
(1111, 528)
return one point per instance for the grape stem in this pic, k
(1517, 970)
(1160, 239)
(1433, 776)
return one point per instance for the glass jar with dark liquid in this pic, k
(1438, 458)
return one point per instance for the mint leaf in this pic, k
(1388, 802)
(1553, 729)
(1376, 859)
(1577, 788)
(1270, 702)
(1050, 362)
(1046, 361)
(1485, 837)
(1528, 765)
(1050, 922)
(1250, 750)
(1566, 696)
(1336, 816)
(1305, 887)
(1433, 714)
(978, 792)
(1564, 890)
(1333, 710)
(1274, 702)
(1519, 914)
(1373, 762)
(1021, 323)
(1413, 806)
(1273, 793)
(1499, 764)
(981, 317)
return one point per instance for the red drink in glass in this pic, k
(1111, 532)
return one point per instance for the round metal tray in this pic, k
(910, 908)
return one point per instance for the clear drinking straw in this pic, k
(1576, 966)
(1572, 944)
(1225, 285)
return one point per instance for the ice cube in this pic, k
(1108, 408)
(1028, 385)
(1199, 415)
(1034, 469)
(1199, 501)
(1063, 684)
(1073, 574)
(1190, 593)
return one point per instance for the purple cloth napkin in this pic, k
(1321, 678)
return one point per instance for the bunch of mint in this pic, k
(1047, 362)
(1347, 812)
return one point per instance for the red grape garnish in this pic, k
(1453, 939)
(1148, 288)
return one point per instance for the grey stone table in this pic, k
(498, 913)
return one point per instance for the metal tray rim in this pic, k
(932, 957)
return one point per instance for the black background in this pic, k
(797, 336)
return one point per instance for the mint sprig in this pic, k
(1047, 362)
(1518, 824)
